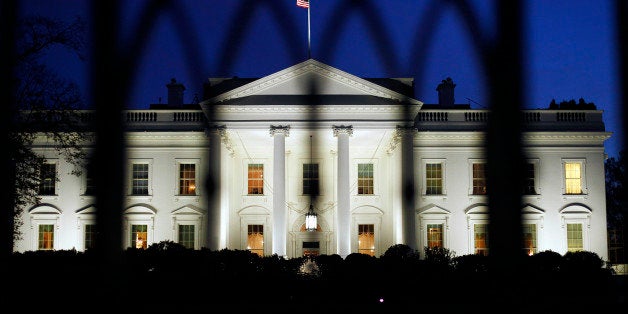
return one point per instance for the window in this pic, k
(186, 236)
(616, 252)
(90, 236)
(46, 237)
(529, 239)
(434, 235)
(479, 178)
(310, 179)
(574, 237)
(365, 179)
(573, 177)
(187, 179)
(139, 236)
(256, 179)
(529, 187)
(480, 232)
(433, 178)
(255, 239)
(139, 184)
(90, 187)
(311, 248)
(366, 239)
(48, 179)
(433, 225)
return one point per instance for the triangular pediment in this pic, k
(188, 210)
(300, 78)
(432, 209)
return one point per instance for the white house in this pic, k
(313, 136)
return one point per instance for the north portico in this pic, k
(271, 121)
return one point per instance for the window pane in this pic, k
(366, 239)
(46, 237)
(479, 179)
(90, 188)
(529, 238)
(434, 235)
(573, 178)
(480, 232)
(310, 179)
(365, 179)
(90, 236)
(187, 179)
(256, 179)
(433, 179)
(186, 236)
(255, 240)
(139, 236)
(529, 187)
(140, 179)
(574, 237)
(48, 179)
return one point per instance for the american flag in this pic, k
(303, 3)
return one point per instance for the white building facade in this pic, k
(314, 136)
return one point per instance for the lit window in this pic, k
(186, 236)
(479, 179)
(310, 179)
(434, 235)
(139, 236)
(366, 239)
(256, 179)
(255, 239)
(187, 179)
(480, 235)
(573, 178)
(311, 248)
(46, 237)
(48, 179)
(139, 184)
(365, 179)
(574, 237)
(433, 179)
(529, 239)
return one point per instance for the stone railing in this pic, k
(156, 119)
(532, 120)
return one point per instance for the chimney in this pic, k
(175, 93)
(446, 92)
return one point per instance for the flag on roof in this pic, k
(303, 3)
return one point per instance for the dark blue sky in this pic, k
(570, 50)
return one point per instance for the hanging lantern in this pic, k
(310, 219)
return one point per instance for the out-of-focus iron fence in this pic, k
(501, 58)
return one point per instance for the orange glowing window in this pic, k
(366, 239)
(256, 179)
(46, 237)
(255, 239)
(187, 179)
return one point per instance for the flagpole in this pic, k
(308, 29)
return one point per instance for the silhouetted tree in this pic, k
(572, 105)
(45, 106)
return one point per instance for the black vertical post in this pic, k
(504, 155)
(8, 22)
(108, 85)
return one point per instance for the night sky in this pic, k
(570, 49)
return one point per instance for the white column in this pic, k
(407, 187)
(212, 184)
(343, 223)
(279, 134)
